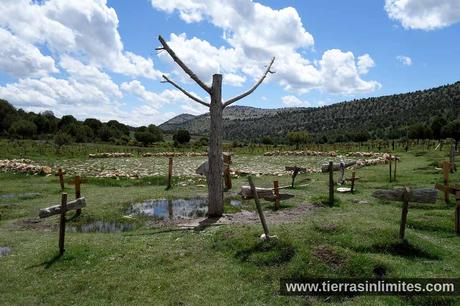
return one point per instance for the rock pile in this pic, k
(175, 154)
(301, 153)
(110, 155)
(23, 166)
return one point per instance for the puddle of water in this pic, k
(175, 208)
(4, 251)
(19, 195)
(101, 227)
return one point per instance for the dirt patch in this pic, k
(328, 255)
(250, 217)
(31, 224)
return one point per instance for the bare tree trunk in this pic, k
(215, 189)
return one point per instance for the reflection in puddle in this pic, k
(175, 208)
(101, 227)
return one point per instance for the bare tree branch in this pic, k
(167, 80)
(183, 66)
(232, 100)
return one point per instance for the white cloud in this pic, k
(340, 71)
(87, 27)
(21, 59)
(424, 14)
(89, 75)
(293, 101)
(365, 62)
(256, 33)
(405, 60)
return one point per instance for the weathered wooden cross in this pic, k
(295, 171)
(406, 195)
(227, 162)
(453, 165)
(455, 191)
(61, 210)
(352, 180)
(61, 173)
(77, 182)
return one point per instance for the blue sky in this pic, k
(97, 58)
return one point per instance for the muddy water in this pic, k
(170, 209)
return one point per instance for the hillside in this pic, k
(379, 116)
(172, 123)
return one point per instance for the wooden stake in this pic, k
(61, 178)
(405, 208)
(453, 167)
(391, 172)
(259, 208)
(457, 213)
(394, 172)
(227, 177)
(445, 170)
(277, 194)
(170, 169)
(62, 223)
(353, 174)
(331, 183)
(77, 193)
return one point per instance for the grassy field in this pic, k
(223, 265)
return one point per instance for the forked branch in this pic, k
(167, 80)
(182, 65)
(247, 93)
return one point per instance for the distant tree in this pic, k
(452, 130)
(7, 114)
(66, 120)
(146, 138)
(437, 126)
(23, 128)
(156, 131)
(419, 131)
(106, 133)
(181, 136)
(62, 138)
(297, 138)
(94, 124)
(267, 140)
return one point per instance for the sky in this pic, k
(98, 58)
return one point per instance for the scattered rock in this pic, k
(5, 251)
(23, 166)
(110, 155)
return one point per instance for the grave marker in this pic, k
(259, 208)
(61, 210)
(455, 191)
(406, 195)
(170, 169)
(352, 180)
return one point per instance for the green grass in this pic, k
(226, 265)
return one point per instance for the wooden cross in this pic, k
(445, 172)
(352, 180)
(295, 171)
(60, 173)
(61, 210)
(276, 189)
(406, 195)
(170, 169)
(455, 191)
(77, 182)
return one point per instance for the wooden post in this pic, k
(277, 194)
(457, 212)
(353, 174)
(405, 208)
(391, 172)
(170, 168)
(77, 193)
(259, 208)
(62, 223)
(394, 172)
(227, 177)
(453, 167)
(61, 178)
(445, 170)
(331, 184)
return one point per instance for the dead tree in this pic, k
(216, 107)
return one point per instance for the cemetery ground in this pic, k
(147, 261)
